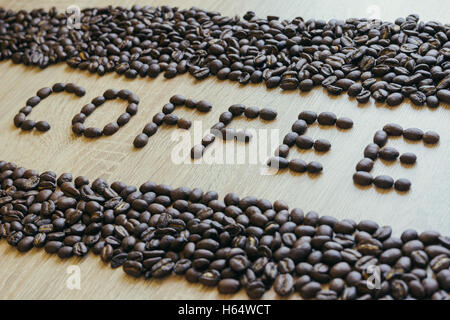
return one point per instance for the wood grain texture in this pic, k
(37, 275)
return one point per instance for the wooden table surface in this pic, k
(37, 275)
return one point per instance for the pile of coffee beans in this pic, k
(239, 243)
(167, 117)
(223, 132)
(20, 120)
(297, 137)
(378, 149)
(111, 128)
(388, 61)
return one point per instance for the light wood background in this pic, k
(37, 275)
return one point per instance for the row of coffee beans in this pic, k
(20, 120)
(235, 243)
(111, 128)
(167, 117)
(378, 149)
(388, 61)
(221, 130)
(297, 137)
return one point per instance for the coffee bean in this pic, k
(92, 132)
(267, 114)
(110, 94)
(304, 142)
(237, 109)
(284, 284)
(251, 112)
(52, 246)
(106, 253)
(365, 164)
(363, 96)
(363, 178)
(28, 125)
(33, 101)
(80, 249)
(178, 100)
(300, 126)
(327, 119)
(308, 116)
(80, 117)
(413, 134)
(443, 277)
(123, 119)
(210, 278)
(429, 237)
(110, 128)
(394, 99)
(354, 89)
(310, 290)
(383, 182)
(203, 106)
(25, 244)
(150, 129)
(393, 129)
(297, 165)
(255, 289)
(314, 167)
(168, 108)
(380, 138)
(340, 270)
(322, 145)
(290, 138)
(430, 137)
(162, 268)
(42, 126)
(388, 153)
(44, 92)
(184, 123)
(344, 123)
(133, 268)
(306, 85)
(132, 109)
(408, 158)
(402, 184)
(19, 119)
(228, 286)
(170, 119)
(239, 263)
(141, 140)
(192, 275)
(65, 252)
(371, 151)
(58, 87)
(444, 96)
(337, 285)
